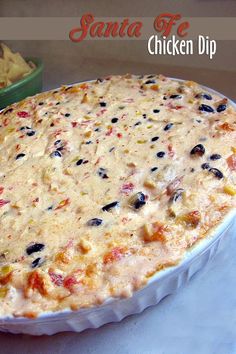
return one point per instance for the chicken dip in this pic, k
(104, 183)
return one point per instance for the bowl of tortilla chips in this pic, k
(19, 77)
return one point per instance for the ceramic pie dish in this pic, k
(161, 285)
(162, 250)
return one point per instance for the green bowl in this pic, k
(28, 86)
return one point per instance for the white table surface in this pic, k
(199, 319)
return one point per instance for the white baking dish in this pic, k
(163, 283)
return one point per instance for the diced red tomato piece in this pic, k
(170, 150)
(3, 202)
(23, 114)
(69, 281)
(6, 121)
(127, 188)
(193, 217)
(36, 281)
(114, 255)
(57, 279)
(109, 132)
(5, 279)
(231, 161)
(227, 127)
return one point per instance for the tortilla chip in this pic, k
(12, 67)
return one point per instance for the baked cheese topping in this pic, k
(104, 183)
